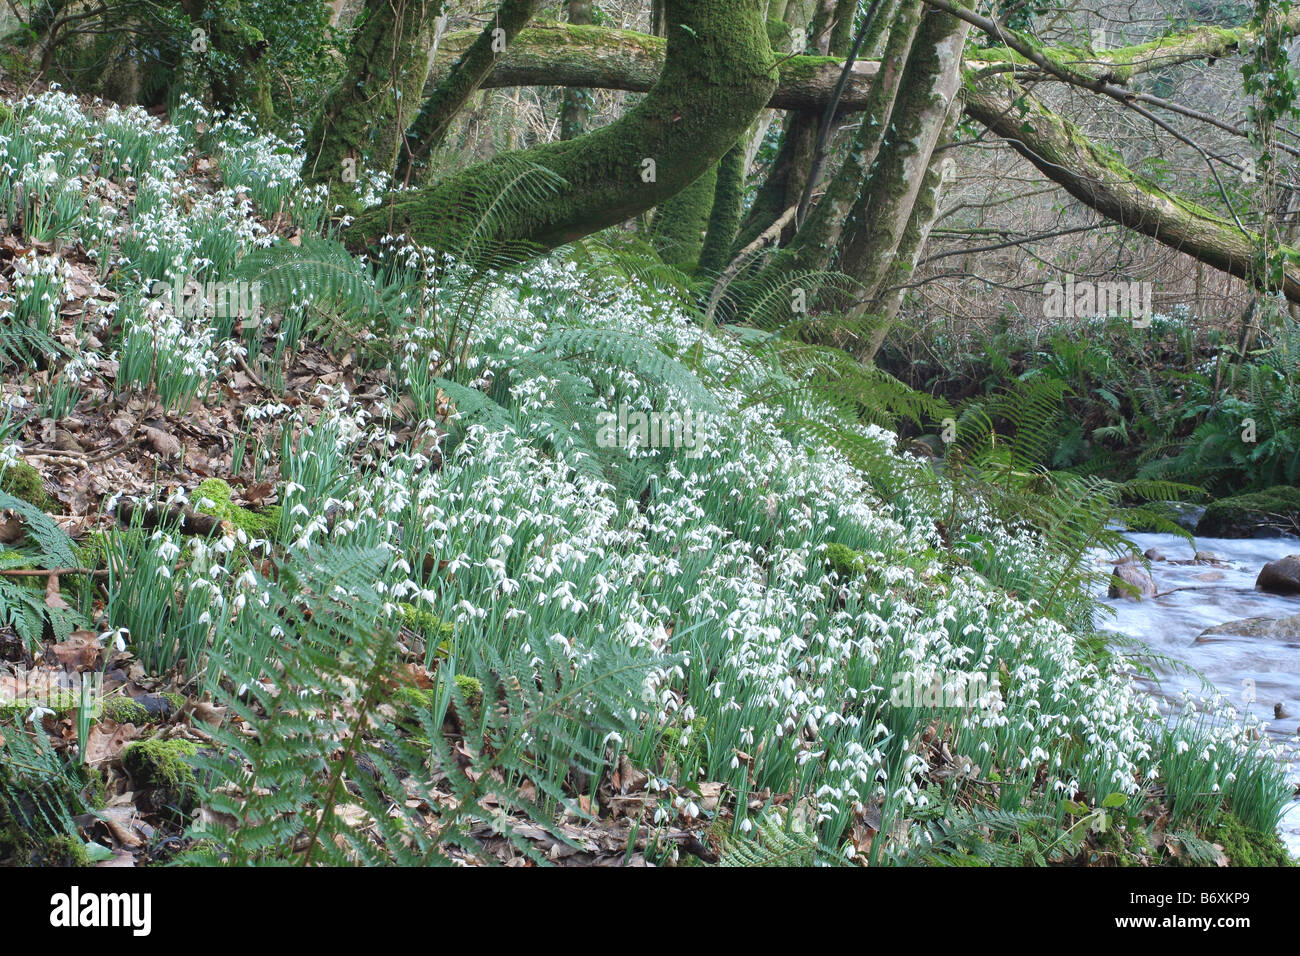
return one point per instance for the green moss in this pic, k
(471, 688)
(1246, 847)
(843, 560)
(212, 497)
(1275, 508)
(23, 481)
(162, 764)
(424, 622)
(124, 710)
(176, 700)
(61, 850)
(677, 231)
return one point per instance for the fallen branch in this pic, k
(55, 572)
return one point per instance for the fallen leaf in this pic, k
(81, 650)
(161, 442)
(104, 744)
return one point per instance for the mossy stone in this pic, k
(124, 710)
(212, 497)
(24, 482)
(1256, 514)
(843, 560)
(1244, 846)
(163, 765)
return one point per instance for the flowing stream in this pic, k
(1212, 594)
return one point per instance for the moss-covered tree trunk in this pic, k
(814, 247)
(558, 55)
(788, 175)
(883, 306)
(724, 218)
(575, 114)
(435, 116)
(717, 75)
(883, 208)
(677, 229)
(362, 122)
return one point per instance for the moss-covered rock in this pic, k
(471, 688)
(843, 560)
(163, 766)
(23, 481)
(124, 710)
(146, 709)
(1258, 514)
(212, 497)
(1246, 847)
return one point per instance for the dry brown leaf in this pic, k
(81, 650)
(161, 442)
(106, 740)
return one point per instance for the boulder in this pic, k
(1276, 628)
(1131, 581)
(1259, 514)
(1153, 554)
(1281, 576)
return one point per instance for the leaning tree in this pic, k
(862, 98)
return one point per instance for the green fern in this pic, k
(333, 773)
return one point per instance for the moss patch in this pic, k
(843, 560)
(124, 710)
(212, 497)
(1246, 847)
(23, 481)
(163, 765)
(1250, 515)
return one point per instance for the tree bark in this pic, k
(815, 244)
(460, 83)
(724, 219)
(575, 114)
(888, 299)
(612, 59)
(883, 207)
(788, 177)
(677, 229)
(555, 54)
(716, 77)
(362, 122)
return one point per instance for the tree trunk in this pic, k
(677, 229)
(883, 208)
(623, 60)
(788, 176)
(453, 92)
(813, 247)
(717, 75)
(884, 305)
(724, 219)
(362, 122)
(575, 114)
